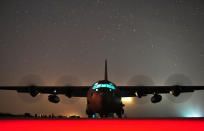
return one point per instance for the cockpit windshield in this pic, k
(105, 85)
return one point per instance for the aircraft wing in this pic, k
(139, 91)
(81, 91)
(72, 91)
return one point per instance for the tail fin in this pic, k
(106, 71)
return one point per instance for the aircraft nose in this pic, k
(106, 98)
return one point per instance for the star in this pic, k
(133, 30)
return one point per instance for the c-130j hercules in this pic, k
(103, 97)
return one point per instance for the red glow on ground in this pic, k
(104, 125)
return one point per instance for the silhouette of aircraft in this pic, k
(103, 97)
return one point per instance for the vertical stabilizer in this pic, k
(106, 71)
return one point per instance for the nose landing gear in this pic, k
(105, 115)
(120, 113)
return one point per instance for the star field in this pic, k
(54, 38)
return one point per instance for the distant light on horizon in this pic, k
(72, 114)
(192, 113)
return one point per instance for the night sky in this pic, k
(58, 42)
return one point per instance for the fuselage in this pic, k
(104, 98)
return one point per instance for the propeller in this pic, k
(141, 80)
(68, 80)
(31, 80)
(178, 80)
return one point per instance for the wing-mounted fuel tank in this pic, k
(54, 98)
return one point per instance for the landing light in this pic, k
(127, 99)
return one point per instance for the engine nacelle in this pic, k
(68, 93)
(53, 98)
(176, 91)
(34, 93)
(156, 98)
